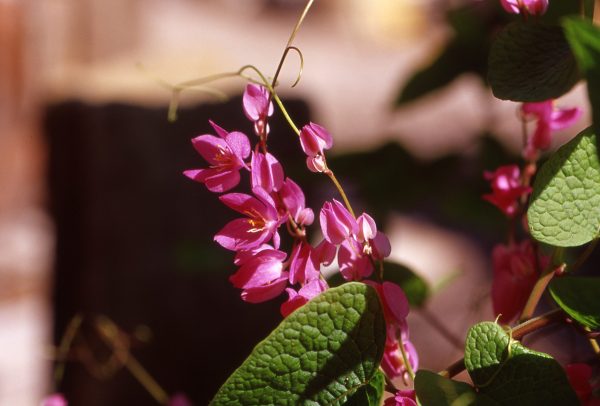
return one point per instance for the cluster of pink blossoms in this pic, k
(516, 266)
(264, 270)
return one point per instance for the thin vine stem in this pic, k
(406, 361)
(540, 285)
(65, 346)
(111, 335)
(340, 189)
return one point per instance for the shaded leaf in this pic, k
(369, 395)
(507, 373)
(565, 205)
(531, 62)
(320, 354)
(584, 38)
(435, 390)
(579, 298)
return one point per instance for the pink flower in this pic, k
(506, 188)
(294, 201)
(381, 246)
(56, 399)
(324, 253)
(579, 377)
(226, 157)
(262, 277)
(314, 139)
(258, 228)
(393, 363)
(402, 398)
(257, 107)
(394, 301)
(267, 172)
(298, 299)
(354, 263)
(515, 273)
(549, 119)
(532, 7)
(303, 267)
(367, 229)
(337, 223)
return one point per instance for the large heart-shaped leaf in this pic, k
(369, 395)
(565, 205)
(531, 62)
(508, 373)
(435, 390)
(319, 355)
(579, 298)
(584, 38)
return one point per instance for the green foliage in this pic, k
(531, 62)
(472, 26)
(435, 390)
(320, 354)
(369, 395)
(507, 373)
(578, 297)
(584, 39)
(564, 209)
(415, 287)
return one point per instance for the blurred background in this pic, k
(97, 222)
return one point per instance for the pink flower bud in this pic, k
(367, 229)
(267, 172)
(314, 139)
(261, 278)
(337, 223)
(316, 164)
(257, 107)
(293, 199)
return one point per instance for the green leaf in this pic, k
(584, 38)
(578, 297)
(435, 390)
(565, 205)
(415, 288)
(508, 373)
(319, 355)
(531, 62)
(370, 394)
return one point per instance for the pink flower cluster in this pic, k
(264, 270)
